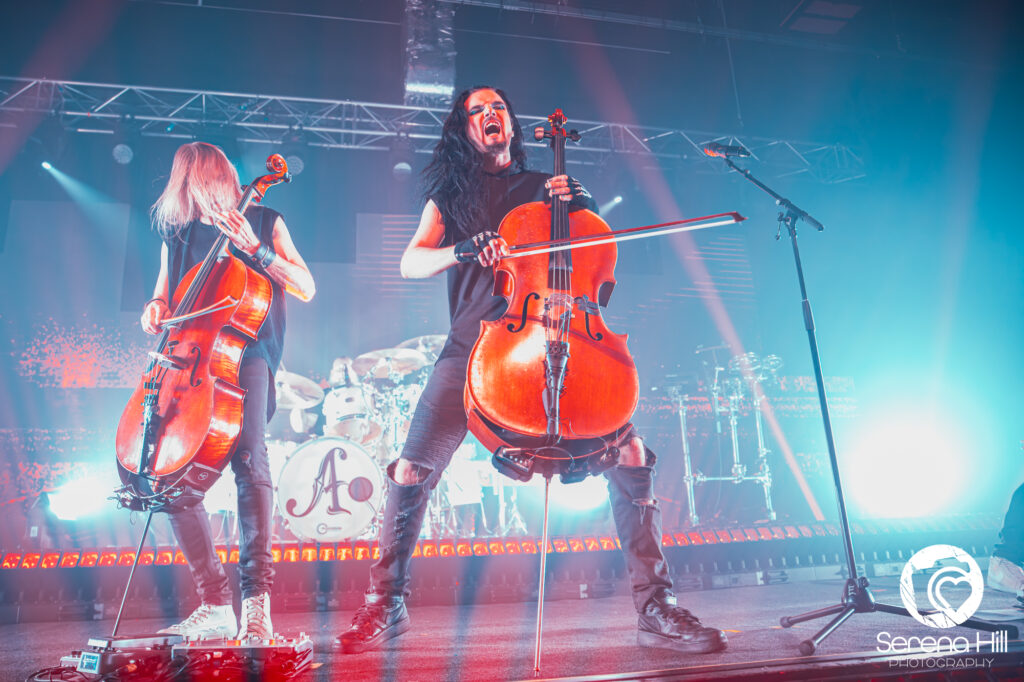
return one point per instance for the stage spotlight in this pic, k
(125, 138)
(590, 493)
(401, 155)
(122, 153)
(46, 165)
(294, 150)
(78, 499)
(910, 465)
(607, 206)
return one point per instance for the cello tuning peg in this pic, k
(574, 135)
(539, 133)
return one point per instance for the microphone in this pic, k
(724, 150)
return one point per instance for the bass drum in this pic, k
(330, 490)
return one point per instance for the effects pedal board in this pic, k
(141, 656)
(280, 658)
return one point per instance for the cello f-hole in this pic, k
(522, 321)
(195, 366)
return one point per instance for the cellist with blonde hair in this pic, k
(198, 204)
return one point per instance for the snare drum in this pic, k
(330, 490)
(349, 415)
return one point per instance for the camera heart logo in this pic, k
(956, 568)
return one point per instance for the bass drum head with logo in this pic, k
(329, 490)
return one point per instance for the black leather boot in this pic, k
(379, 619)
(665, 625)
(383, 615)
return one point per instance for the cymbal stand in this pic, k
(689, 480)
(856, 596)
(738, 473)
(764, 472)
(515, 524)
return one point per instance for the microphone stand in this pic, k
(856, 597)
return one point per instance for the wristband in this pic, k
(158, 298)
(263, 256)
(467, 250)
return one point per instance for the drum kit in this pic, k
(746, 376)
(331, 487)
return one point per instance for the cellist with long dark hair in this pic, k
(198, 204)
(477, 175)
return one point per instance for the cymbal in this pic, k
(379, 364)
(296, 391)
(428, 344)
(744, 363)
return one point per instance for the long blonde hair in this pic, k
(202, 182)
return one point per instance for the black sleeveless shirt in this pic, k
(190, 246)
(471, 296)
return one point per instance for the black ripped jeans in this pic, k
(251, 467)
(438, 427)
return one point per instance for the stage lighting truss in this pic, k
(346, 124)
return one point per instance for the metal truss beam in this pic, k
(346, 124)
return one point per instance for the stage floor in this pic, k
(583, 638)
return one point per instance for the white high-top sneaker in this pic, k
(1005, 575)
(255, 621)
(206, 622)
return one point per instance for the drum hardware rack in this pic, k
(745, 369)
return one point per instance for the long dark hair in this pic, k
(453, 176)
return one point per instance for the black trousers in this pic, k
(251, 467)
(1011, 545)
(438, 427)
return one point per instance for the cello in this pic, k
(181, 424)
(550, 388)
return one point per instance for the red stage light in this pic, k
(164, 558)
(480, 549)
(126, 559)
(89, 559)
(70, 559)
(560, 545)
(108, 558)
(31, 560)
(11, 560)
(496, 547)
(346, 553)
(179, 558)
(327, 554)
(463, 548)
(50, 559)
(681, 540)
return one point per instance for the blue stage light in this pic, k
(590, 493)
(907, 465)
(79, 498)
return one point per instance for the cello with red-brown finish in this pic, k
(550, 388)
(182, 422)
